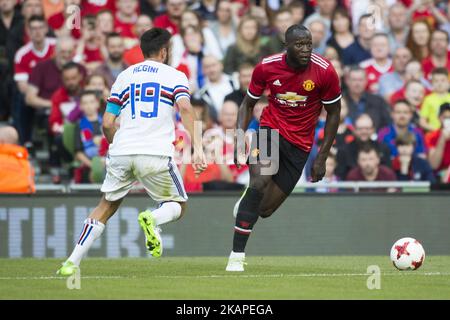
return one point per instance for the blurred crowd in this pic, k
(59, 58)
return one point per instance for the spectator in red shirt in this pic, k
(92, 7)
(171, 20)
(439, 54)
(369, 168)
(126, 18)
(379, 64)
(427, 11)
(40, 48)
(64, 100)
(104, 24)
(45, 78)
(414, 74)
(89, 46)
(438, 142)
(134, 55)
(31, 8)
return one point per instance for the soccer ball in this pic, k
(407, 254)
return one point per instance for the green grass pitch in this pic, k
(329, 277)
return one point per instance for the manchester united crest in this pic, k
(308, 85)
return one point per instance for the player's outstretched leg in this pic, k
(151, 220)
(92, 230)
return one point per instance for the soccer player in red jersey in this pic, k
(300, 84)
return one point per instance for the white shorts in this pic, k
(158, 174)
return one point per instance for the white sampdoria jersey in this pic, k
(146, 94)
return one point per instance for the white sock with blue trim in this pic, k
(92, 229)
(167, 212)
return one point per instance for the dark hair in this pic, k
(410, 43)
(405, 139)
(332, 155)
(407, 84)
(153, 40)
(199, 18)
(296, 29)
(401, 101)
(442, 31)
(93, 75)
(354, 68)
(365, 16)
(443, 108)
(440, 70)
(343, 12)
(196, 102)
(71, 65)
(368, 147)
(246, 65)
(112, 35)
(296, 4)
(90, 92)
(36, 18)
(89, 19)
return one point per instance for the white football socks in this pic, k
(169, 211)
(92, 229)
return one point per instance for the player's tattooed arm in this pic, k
(331, 126)
(108, 126)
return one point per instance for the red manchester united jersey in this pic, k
(296, 97)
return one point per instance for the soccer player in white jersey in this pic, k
(143, 97)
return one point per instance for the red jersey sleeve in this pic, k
(20, 69)
(56, 117)
(331, 89)
(258, 83)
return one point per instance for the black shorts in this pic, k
(291, 159)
